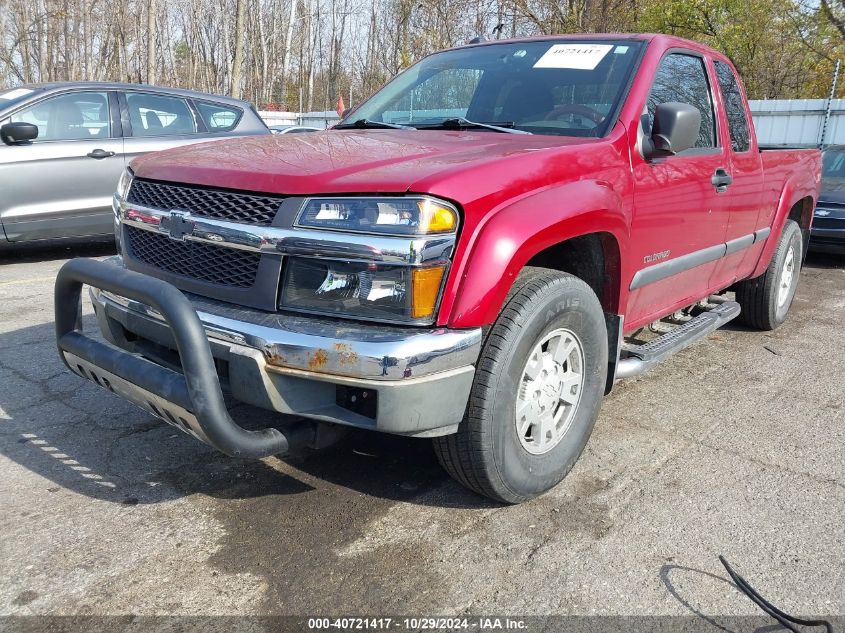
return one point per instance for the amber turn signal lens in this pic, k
(437, 218)
(426, 288)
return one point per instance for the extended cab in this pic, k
(472, 255)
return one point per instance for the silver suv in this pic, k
(64, 146)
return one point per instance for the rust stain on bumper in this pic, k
(345, 354)
(317, 359)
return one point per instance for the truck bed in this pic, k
(782, 168)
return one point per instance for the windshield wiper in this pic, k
(460, 123)
(363, 124)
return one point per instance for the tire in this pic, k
(765, 300)
(546, 311)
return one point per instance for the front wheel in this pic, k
(765, 300)
(538, 387)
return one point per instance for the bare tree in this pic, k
(238, 59)
(305, 53)
(151, 46)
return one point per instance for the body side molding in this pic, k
(671, 267)
(677, 265)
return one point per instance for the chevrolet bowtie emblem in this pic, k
(822, 212)
(178, 224)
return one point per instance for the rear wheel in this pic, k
(765, 300)
(538, 387)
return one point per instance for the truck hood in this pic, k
(341, 161)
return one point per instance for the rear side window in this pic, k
(218, 117)
(158, 115)
(734, 107)
(683, 78)
(73, 116)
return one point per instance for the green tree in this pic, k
(781, 48)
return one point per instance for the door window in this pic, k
(158, 115)
(218, 117)
(734, 107)
(69, 117)
(683, 78)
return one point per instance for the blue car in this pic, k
(828, 230)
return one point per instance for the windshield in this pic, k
(569, 88)
(833, 169)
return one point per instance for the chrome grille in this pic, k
(204, 262)
(213, 203)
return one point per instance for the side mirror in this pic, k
(18, 133)
(675, 129)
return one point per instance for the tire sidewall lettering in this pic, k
(568, 311)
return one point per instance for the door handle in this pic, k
(99, 154)
(721, 179)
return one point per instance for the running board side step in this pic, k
(640, 358)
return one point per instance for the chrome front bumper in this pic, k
(417, 380)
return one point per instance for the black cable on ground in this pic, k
(784, 618)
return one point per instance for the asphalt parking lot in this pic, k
(734, 447)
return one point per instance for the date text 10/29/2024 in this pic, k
(416, 624)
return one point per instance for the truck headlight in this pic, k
(124, 183)
(362, 290)
(408, 215)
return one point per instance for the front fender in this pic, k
(512, 235)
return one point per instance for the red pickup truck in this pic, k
(472, 255)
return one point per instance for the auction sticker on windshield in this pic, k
(575, 56)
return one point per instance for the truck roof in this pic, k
(667, 40)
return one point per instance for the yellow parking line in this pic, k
(27, 281)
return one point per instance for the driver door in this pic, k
(680, 217)
(61, 184)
